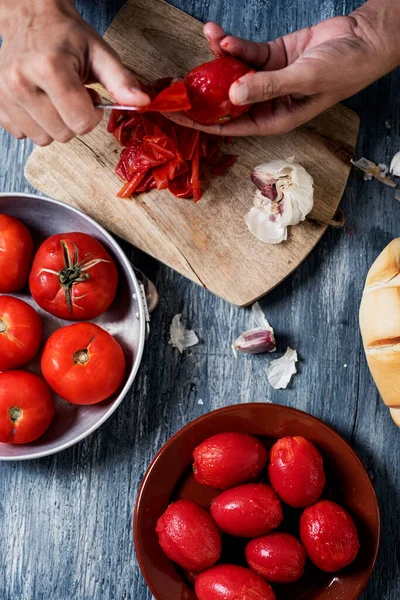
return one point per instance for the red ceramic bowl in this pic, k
(170, 477)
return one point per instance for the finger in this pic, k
(12, 129)
(214, 35)
(115, 77)
(44, 113)
(253, 53)
(182, 119)
(285, 114)
(303, 79)
(21, 119)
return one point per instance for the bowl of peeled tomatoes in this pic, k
(72, 326)
(256, 501)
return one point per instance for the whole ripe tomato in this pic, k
(20, 333)
(227, 459)
(329, 536)
(83, 363)
(188, 536)
(248, 510)
(16, 253)
(278, 557)
(296, 471)
(26, 407)
(231, 582)
(73, 277)
(208, 88)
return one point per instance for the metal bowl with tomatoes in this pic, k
(72, 326)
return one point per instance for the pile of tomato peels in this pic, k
(161, 154)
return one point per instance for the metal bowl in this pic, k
(125, 320)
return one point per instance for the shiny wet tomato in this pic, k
(20, 333)
(26, 407)
(329, 536)
(231, 582)
(227, 459)
(16, 253)
(248, 510)
(278, 557)
(188, 536)
(73, 277)
(208, 88)
(83, 363)
(296, 471)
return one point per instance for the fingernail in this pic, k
(240, 92)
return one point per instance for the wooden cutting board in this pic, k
(208, 242)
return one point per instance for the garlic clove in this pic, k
(281, 370)
(255, 341)
(395, 165)
(180, 337)
(265, 226)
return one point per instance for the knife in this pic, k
(117, 106)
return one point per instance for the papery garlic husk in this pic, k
(395, 165)
(285, 196)
(180, 337)
(255, 341)
(281, 370)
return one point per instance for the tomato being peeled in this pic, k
(83, 363)
(20, 333)
(231, 582)
(208, 88)
(16, 253)
(26, 407)
(73, 277)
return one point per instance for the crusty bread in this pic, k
(380, 325)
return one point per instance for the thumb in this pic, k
(299, 80)
(117, 79)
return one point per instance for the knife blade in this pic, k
(116, 106)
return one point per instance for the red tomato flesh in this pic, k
(73, 277)
(296, 471)
(228, 459)
(83, 363)
(20, 333)
(231, 582)
(16, 253)
(248, 510)
(208, 88)
(26, 407)
(188, 536)
(329, 536)
(278, 557)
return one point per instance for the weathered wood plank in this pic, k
(66, 519)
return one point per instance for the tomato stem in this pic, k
(3, 326)
(15, 413)
(81, 357)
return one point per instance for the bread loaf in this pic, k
(380, 325)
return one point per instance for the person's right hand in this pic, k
(48, 53)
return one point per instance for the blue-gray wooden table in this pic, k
(66, 520)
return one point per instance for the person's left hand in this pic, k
(302, 74)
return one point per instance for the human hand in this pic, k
(48, 53)
(302, 74)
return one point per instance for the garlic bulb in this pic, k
(284, 197)
(395, 165)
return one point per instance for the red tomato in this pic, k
(26, 407)
(20, 333)
(279, 557)
(83, 363)
(188, 536)
(208, 88)
(16, 253)
(248, 510)
(73, 277)
(329, 535)
(227, 459)
(230, 582)
(296, 471)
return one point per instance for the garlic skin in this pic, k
(284, 197)
(281, 370)
(180, 337)
(257, 340)
(395, 164)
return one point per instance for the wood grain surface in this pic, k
(208, 242)
(66, 520)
